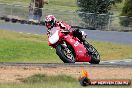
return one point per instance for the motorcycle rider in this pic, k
(51, 22)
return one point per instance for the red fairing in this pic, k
(80, 50)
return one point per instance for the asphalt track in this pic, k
(107, 36)
(115, 64)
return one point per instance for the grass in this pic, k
(56, 7)
(43, 81)
(15, 47)
(53, 4)
(111, 51)
(41, 78)
(25, 48)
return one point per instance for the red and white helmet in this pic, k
(50, 21)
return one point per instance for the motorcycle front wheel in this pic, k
(95, 56)
(66, 53)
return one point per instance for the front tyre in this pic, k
(66, 54)
(95, 57)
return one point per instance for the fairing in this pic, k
(80, 50)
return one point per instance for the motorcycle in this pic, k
(70, 49)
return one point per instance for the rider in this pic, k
(51, 22)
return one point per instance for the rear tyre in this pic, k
(95, 57)
(66, 54)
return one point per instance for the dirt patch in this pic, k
(13, 74)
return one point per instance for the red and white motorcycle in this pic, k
(70, 49)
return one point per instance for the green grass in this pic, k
(43, 81)
(111, 51)
(22, 2)
(53, 4)
(25, 48)
(41, 78)
(71, 3)
(54, 7)
(15, 47)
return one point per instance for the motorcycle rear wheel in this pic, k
(66, 58)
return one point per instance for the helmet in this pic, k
(50, 21)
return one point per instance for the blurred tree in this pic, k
(95, 13)
(94, 6)
(126, 11)
(116, 1)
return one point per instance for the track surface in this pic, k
(114, 63)
(108, 36)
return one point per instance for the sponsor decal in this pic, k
(76, 44)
